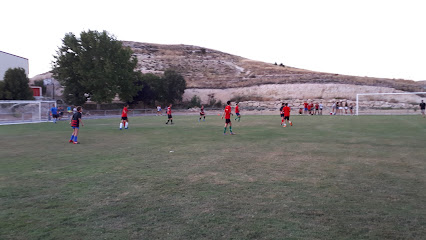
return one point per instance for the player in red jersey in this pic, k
(286, 111)
(169, 114)
(237, 112)
(305, 104)
(316, 108)
(75, 124)
(202, 114)
(282, 113)
(227, 113)
(124, 119)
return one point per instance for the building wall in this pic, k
(8, 60)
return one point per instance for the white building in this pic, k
(8, 60)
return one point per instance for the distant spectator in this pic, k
(422, 108)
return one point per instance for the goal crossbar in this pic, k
(366, 94)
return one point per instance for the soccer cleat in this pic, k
(121, 129)
(76, 142)
(224, 133)
(284, 126)
(291, 124)
(167, 122)
(70, 141)
(232, 133)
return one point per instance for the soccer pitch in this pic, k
(327, 177)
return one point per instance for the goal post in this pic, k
(381, 94)
(24, 111)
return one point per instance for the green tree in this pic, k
(96, 64)
(166, 89)
(195, 101)
(16, 85)
(171, 88)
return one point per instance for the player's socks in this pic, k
(72, 138)
(224, 130)
(230, 129)
(126, 126)
(291, 124)
(171, 121)
(121, 126)
(75, 138)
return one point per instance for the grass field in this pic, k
(326, 177)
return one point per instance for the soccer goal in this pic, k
(22, 111)
(405, 103)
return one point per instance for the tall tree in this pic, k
(16, 85)
(96, 64)
(172, 87)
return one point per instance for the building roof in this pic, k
(13, 55)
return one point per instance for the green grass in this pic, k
(326, 177)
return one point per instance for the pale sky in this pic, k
(375, 38)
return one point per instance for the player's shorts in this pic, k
(169, 116)
(228, 120)
(55, 115)
(282, 115)
(238, 114)
(75, 127)
(423, 111)
(202, 114)
(287, 118)
(124, 118)
(346, 108)
(306, 109)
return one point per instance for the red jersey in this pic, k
(202, 111)
(309, 106)
(124, 112)
(286, 111)
(306, 104)
(237, 109)
(169, 111)
(317, 106)
(228, 112)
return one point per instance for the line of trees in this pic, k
(96, 65)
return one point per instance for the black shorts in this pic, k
(55, 115)
(201, 114)
(282, 115)
(124, 118)
(228, 120)
(287, 118)
(169, 116)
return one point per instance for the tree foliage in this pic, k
(95, 64)
(15, 85)
(165, 89)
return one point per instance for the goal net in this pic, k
(20, 111)
(404, 103)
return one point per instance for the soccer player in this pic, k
(124, 118)
(237, 112)
(316, 109)
(169, 114)
(227, 113)
(286, 111)
(320, 108)
(422, 108)
(282, 114)
(75, 124)
(159, 110)
(202, 114)
(54, 112)
(305, 104)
